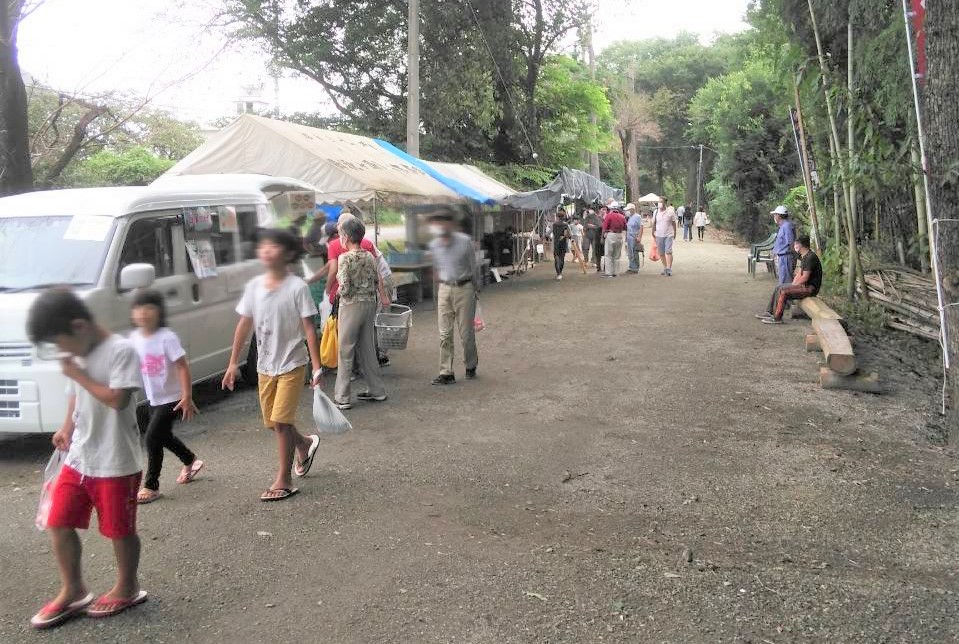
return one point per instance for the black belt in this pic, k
(457, 283)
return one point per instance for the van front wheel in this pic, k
(249, 369)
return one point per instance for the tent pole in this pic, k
(376, 225)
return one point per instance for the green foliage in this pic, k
(833, 270)
(669, 71)
(136, 166)
(519, 177)
(742, 115)
(389, 217)
(565, 101)
(473, 105)
(66, 132)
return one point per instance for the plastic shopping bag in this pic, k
(330, 344)
(654, 253)
(326, 308)
(327, 418)
(478, 323)
(50, 474)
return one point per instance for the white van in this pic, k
(192, 238)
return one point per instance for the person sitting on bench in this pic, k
(806, 283)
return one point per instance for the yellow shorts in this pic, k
(280, 396)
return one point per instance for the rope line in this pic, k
(502, 80)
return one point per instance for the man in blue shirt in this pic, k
(634, 237)
(783, 247)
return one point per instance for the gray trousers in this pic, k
(357, 338)
(456, 306)
(614, 250)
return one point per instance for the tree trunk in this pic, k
(941, 112)
(591, 54)
(16, 174)
(496, 16)
(75, 144)
(627, 139)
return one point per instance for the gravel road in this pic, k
(639, 461)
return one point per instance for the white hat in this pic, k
(613, 203)
(630, 206)
(780, 210)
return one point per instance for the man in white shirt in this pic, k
(664, 232)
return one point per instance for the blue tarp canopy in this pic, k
(457, 186)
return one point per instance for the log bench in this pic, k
(840, 371)
(833, 341)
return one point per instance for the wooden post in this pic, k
(413, 81)
(836, 347)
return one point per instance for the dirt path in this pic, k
(640, 461)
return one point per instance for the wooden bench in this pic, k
(761, 253)
(832, 339)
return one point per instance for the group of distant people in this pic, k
(607, 229)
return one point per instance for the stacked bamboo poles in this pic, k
(909, 298)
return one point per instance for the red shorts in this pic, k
(115, 499)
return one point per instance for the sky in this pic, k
(161, 49)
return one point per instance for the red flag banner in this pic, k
(918, 21)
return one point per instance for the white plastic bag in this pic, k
(327, 418)
(326, 307)
(478, 323)
(50, 474)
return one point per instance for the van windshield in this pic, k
(37, 252)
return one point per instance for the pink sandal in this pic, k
(189, 473)
(54, 614)
(109, 607)
(146, 495)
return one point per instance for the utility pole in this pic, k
(413, 108)
(591, 54)
(699, 180)
(276, 93)
(413, 82)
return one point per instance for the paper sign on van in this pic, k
(198, 219)
(88, 228)
(228, 222)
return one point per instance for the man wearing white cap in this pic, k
(634, 237)
(783, 246)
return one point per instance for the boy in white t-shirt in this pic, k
(102, 469)
(279, 307)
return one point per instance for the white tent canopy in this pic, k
(650, 198)
(342, 167)
(474, 178)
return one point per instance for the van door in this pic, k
(220, 255)
(155, 238)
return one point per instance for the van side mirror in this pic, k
(137, 276)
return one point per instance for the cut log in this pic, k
(812, 343)
(866, 383)
(817, 309)
(836, 346)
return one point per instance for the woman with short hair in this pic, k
(361, 288)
